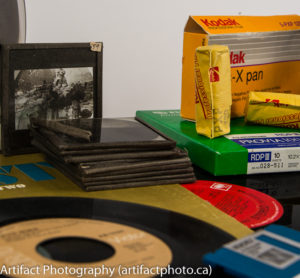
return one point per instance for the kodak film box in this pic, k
(248, 149)
(264, 55)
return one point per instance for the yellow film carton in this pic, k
(213, 90)
(274, 109)
(264, 55)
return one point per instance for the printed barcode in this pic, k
(275, 256)
(265, 252)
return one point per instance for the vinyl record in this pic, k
(250, 207)
(59, 236)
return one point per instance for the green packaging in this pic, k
(248, 149)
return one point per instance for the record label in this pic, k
(250, 207)
(19, 256)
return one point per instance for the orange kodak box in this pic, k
(264, 55)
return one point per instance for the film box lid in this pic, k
(248, 149)
(227, 24)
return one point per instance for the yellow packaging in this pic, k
(275, 109)
(213, 90)
(264, 55)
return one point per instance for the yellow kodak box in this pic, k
(264, 55)
(213, 90)
(268, 108)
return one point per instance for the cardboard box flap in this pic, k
(193, 26)
(241, 24)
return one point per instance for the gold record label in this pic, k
(137, 253)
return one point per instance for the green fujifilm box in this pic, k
(248, 149)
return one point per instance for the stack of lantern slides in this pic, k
(104, 153)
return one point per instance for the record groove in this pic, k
(188, 238)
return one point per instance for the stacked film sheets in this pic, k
(101, 153)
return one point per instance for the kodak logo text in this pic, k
(220, 22)
(237, 58)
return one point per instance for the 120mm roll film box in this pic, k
(264, 55)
